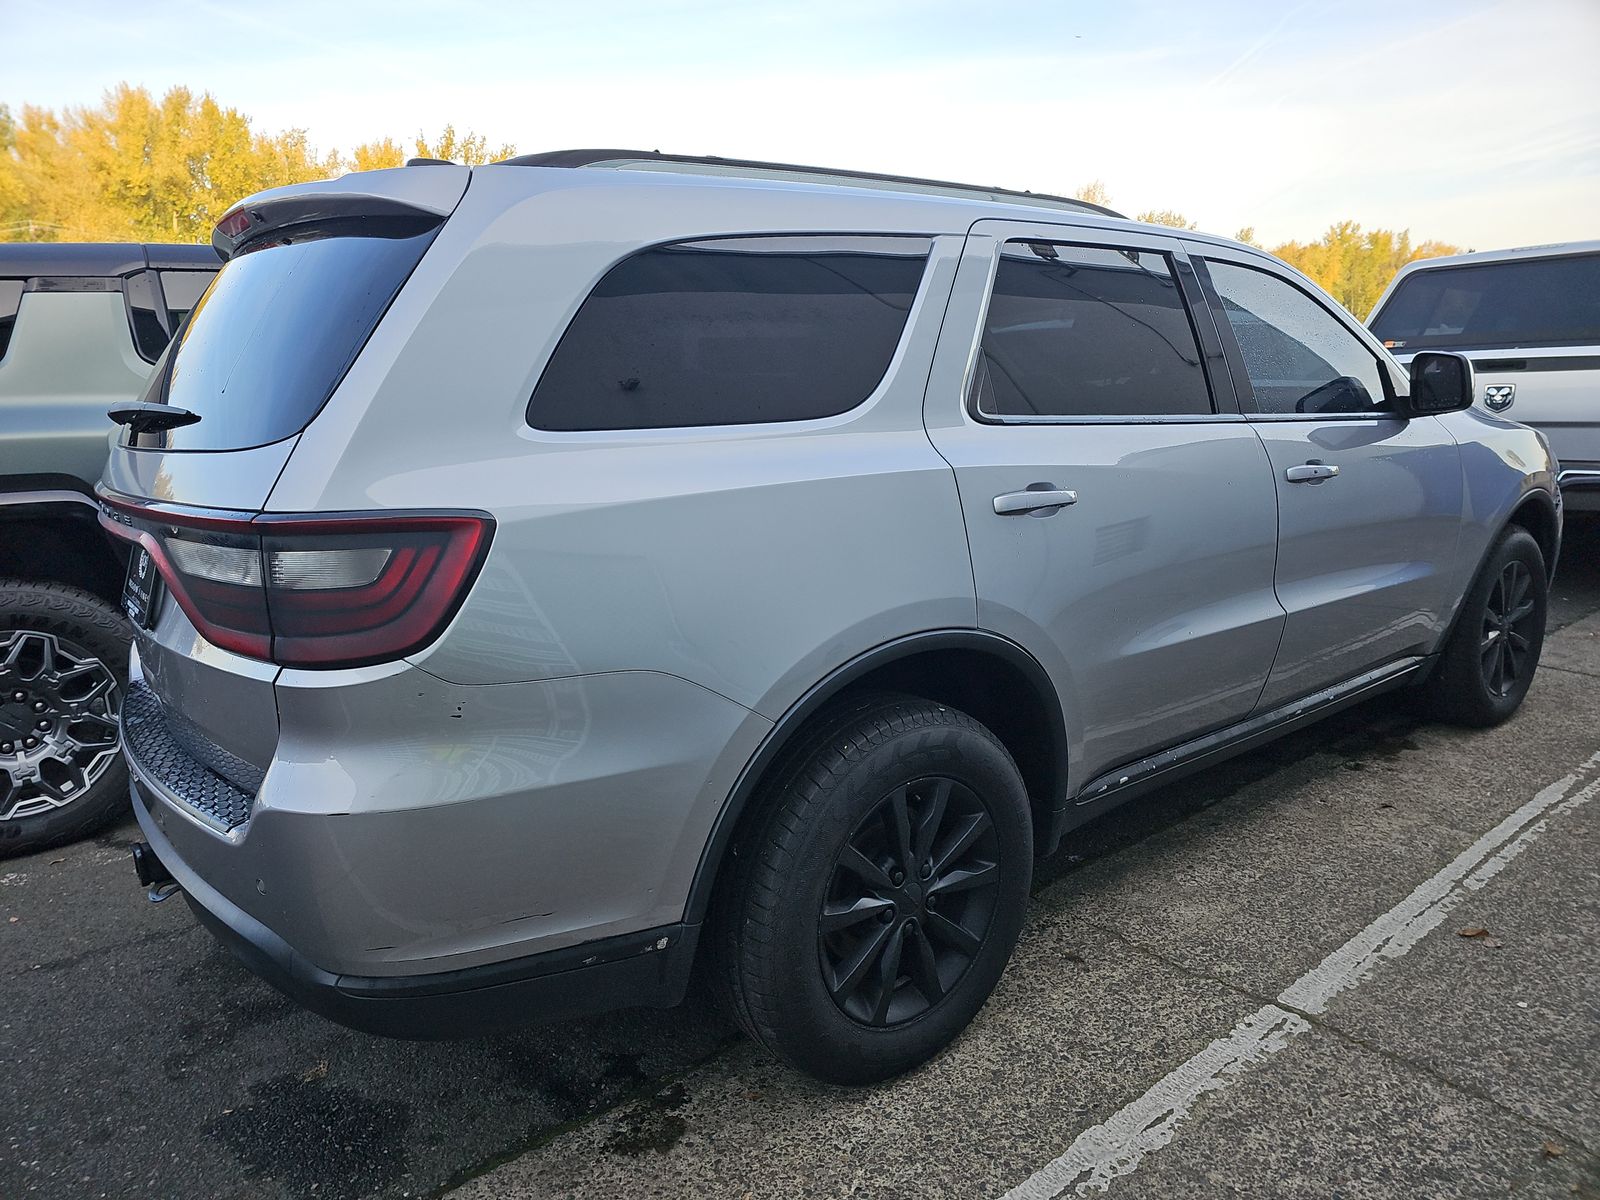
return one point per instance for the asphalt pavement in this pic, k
(1363, 961)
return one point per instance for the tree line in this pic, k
(140, 169)
(1353, 265)
(137, 168)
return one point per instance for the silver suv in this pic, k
(562, 574)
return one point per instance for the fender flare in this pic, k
(720, 842)
(1532, 498)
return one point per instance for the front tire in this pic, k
(63, 670)
(1486, 667)
(873, 908)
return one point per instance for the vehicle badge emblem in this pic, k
(1498, 397)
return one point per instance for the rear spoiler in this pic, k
(406, 192)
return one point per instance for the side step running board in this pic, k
(1108, 790)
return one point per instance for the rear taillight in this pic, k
(312, 591)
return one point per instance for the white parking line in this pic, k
(1108, 1151)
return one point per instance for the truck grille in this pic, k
(151, 745)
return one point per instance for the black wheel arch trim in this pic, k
(1532, 498)
(720, 843)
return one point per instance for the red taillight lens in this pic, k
(216, 576)
(362, 589)
(334, 591)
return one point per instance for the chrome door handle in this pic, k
(1311, 472)
(1039, 499)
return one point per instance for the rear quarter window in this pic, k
(10, 303)
(1515, 302)
(182, 290)
(731, 332)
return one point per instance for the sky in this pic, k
(1475, 122)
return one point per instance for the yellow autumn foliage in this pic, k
(137, 168)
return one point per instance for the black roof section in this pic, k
(590, 158)
(76, 260)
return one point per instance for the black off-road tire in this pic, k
(1463, 688)
(841, 783)
(89, 627)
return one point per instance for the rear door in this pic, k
(1369, 503)
(1119, 508)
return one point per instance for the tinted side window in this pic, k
(183, 290)
(1299, 356)
(10, 302)
(732, 332)
(1527, 302)
(1077, 331)
(149, 334)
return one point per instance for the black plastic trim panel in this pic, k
(1044, 693)
(152, 748)
(1112, 788)
(649, 968)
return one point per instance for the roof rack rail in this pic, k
(622, 159)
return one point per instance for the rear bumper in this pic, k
(1580, 486)
(649, 968)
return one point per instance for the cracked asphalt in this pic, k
(137, 1059)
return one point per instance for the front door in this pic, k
(1119, 508)
(1369, 503)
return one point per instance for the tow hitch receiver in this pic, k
(153, 873)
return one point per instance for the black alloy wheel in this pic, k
(1507, 638)
(63, 671)
(1487, 663)
(871, 906)
(58, 722)
(910, 902)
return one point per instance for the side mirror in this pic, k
(1440, 383)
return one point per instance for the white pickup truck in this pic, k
(1529, 319)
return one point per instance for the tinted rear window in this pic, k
(278, 328)
(1524, 302)
(732, 332)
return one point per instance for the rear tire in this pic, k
(1488, 663)
(64, 651)
(872, 908)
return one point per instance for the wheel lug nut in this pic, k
(898, 877)
(19, 696)
(38, 706)
(5, 747)
(933, 902)
(29, 743)
(43, 725)
(886, 916)
(927, 869)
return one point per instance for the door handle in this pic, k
(1311, 472)
(1038, 499)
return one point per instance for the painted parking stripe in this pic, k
(1115, 1148)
